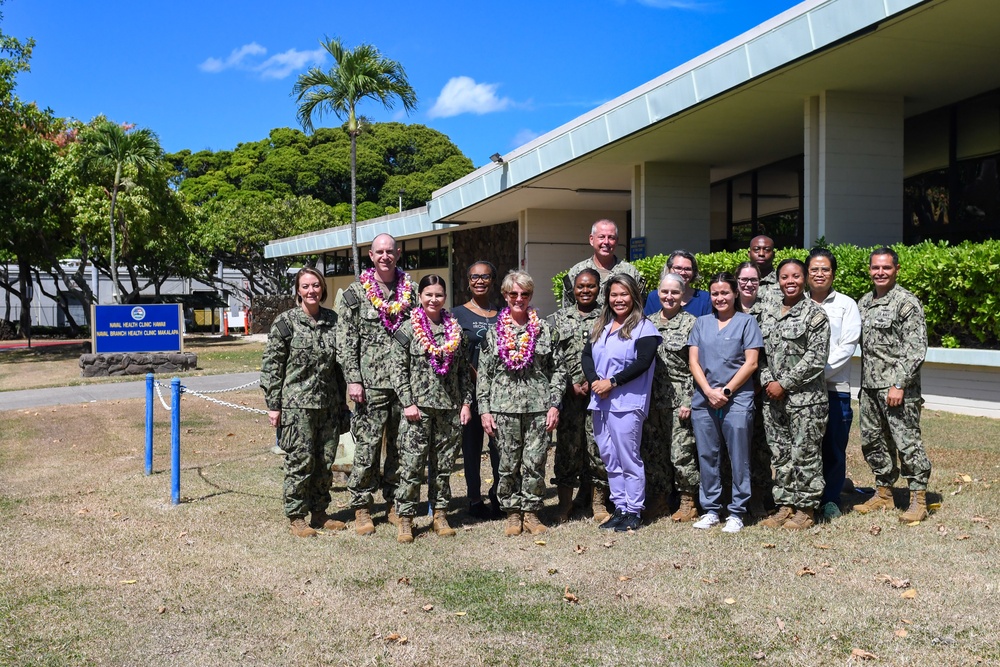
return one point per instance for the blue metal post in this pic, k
(150, 379)
(175, 441)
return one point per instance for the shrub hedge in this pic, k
(959, 285)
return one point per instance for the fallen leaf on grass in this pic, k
(962, 537)
(580, 549)
(862, 654)
(901, 633)
(608, 544)
(909, 594)
(823, 546)
(713, 580)
(569, 597)
(405, 581)
(768, 546)
(622, 595)
(553, 570)
(229, 435)
(957, 491)
(978, 519)
(758, 655)
(129, 582)
(906, 620)
(83, 510)
(396, 637)
(942, 529)
(730, 600)
(540, 543)
(875, 530)
(894, 582)
(461, 613)
(427, 607)
(781, 624)
(806, 570)
(624, 578)
(965, 478)
(161, 610)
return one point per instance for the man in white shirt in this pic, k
(845, 331)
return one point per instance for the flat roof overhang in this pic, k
(738, 107)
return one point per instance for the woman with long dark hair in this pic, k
(618, 364)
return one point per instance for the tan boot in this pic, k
(441, 527)
(918, 508)
(301, 529)
(363, 522)
(656, 508)
(565, 504)
(600, 511)
(532, 524)
(513, 526)
(778, 519)
(391, 515)
(405, 535)
(323, 520)
(802, 519)
(882, 500)
(687, 511)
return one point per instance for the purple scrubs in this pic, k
(618, 418)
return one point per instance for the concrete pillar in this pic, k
(853, 163)
(671, 206)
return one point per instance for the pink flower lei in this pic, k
(517, 352)
(390, 312)
(438, 356)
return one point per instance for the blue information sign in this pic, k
(142, 328)
(637, 248)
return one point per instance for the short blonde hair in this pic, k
(519, 278)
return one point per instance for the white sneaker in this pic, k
(706, 521)
(734, 524)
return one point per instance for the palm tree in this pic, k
(113, 147)
(359, 73)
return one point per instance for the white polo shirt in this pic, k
(845, 332)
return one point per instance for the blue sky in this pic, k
(492, 76)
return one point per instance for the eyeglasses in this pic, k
(748, 281)
(516, 295)
(762, 248)
(484, 277)
(816, 270)
(682, 269)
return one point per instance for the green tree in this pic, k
(358, 74)
(109, 149)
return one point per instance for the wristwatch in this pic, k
(727, 392)
(613, 381)
(897, 385)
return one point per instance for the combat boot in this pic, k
(778, 519)
(583, 495)
(918, 508)
(513, 526)
(532, 524)
(758, 501)
(323, 520)
(882, 500)
(687, 511)
(405, 535)
(363, 522)
(802, 519)
(441, 527)
(656, 508)
(601, 513)
(301, 529)
(565, 504)
(391, 515)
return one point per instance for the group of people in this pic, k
(738, 394)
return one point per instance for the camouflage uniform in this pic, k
(768, 291)
(621, 266)
(299, 376)
(797, 344)
(893, 347)
(668, 448)
(365, 342)
(577, 456)
(761, 478)
(433, 441)
(519, 401)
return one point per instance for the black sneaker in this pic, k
(480, 511)
(629, 522)
(612, 523)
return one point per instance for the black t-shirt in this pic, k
(475, 327)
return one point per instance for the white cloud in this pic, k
(523, 137)
(281, 65)
(463, 95)
(236, 58)
(278, 66)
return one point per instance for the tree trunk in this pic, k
(6, 292)
(24, 281)
(354, 205)
(114, 258)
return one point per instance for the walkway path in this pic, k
(38, 398)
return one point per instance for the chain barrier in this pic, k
(203, 395)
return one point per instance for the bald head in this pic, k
(384, 254)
